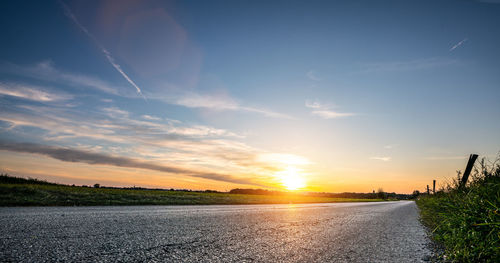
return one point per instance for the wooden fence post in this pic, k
(468, 169)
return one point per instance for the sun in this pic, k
(289, 174)
(291, 178)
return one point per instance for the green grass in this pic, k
(466, 221)
(40, 193)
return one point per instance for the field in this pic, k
(39, 193)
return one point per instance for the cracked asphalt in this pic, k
(338, 232)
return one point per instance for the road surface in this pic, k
(339, 232)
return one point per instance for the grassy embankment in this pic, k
(30, 192)
(466, 220)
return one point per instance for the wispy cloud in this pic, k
(328, 114)
(150, 118)
(384, 159)
(215, 102)
(107, 54)
(74, 155)
(221, 102)
(324, 110)
(115, 127)
(418, 64)
(110, 124)
(315, 104)
(116, 112)
(31, 92)
(311, 74)
(458, 44)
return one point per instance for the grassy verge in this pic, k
(40, 193)
(466, 221)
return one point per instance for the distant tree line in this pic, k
(379, 195)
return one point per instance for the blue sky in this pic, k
(334, 96)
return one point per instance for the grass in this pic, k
(31, 192)
(466, 220)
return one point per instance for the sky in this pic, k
(328, 96)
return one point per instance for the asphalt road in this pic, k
(341, 232)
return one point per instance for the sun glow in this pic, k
(291, 178)
(289, 169)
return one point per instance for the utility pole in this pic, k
(434, 186)
(428, 189)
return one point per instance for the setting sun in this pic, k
(291, 178)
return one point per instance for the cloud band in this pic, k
(73, 155)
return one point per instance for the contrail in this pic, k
(458, 44)
(119, 69)
(110, 58)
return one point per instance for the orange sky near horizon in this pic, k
(46, 168)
